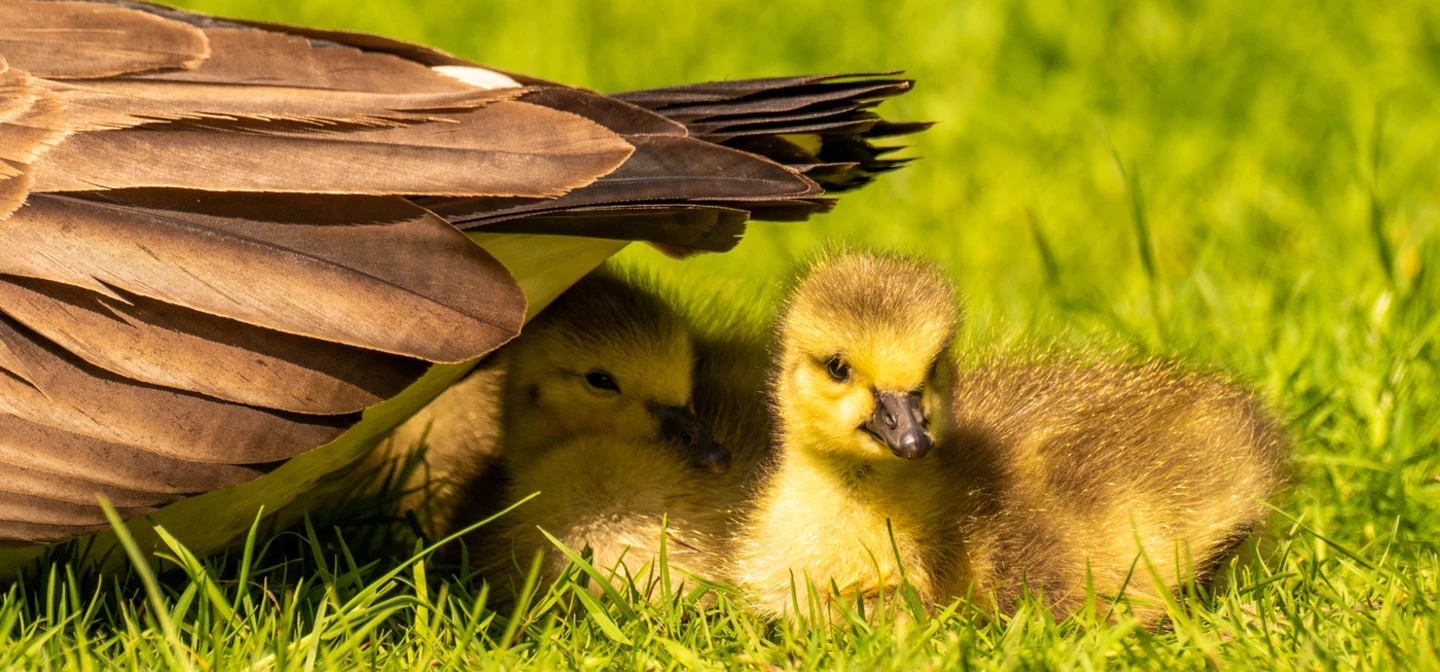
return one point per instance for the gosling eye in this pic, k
(601, 380)
(838, 368)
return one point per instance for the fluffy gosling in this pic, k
(597, 416)
(599, 323)
(620, 499)
(986, 481)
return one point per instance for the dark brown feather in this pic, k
(761, 116)
(320, 37)
(696, 228)
(710, 92)
(855, 124)
(787, 100)
(665, 169)
(797, 210)
(712, 125)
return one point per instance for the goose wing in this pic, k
(229, 243)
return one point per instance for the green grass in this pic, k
(1254, 186)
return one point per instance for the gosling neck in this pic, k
(856, 473)
(804, 453)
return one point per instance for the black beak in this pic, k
(899, 422)
(681, 426)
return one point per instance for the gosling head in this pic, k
(606, 359)
(864, 357)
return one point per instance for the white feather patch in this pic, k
(477, 77)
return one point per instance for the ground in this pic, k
(1249, 186)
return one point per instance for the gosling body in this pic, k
(616, 501)
(984, 481)
(598, 418)
(1133, 478)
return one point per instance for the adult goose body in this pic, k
(237, 253)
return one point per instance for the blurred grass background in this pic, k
(1254, 186)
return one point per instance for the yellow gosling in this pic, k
(854, 356)
(541, 390)
(597, 400)
(983, 481)
(608, 358)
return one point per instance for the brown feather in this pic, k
(119, 103)
(324, 37)
(618, 116)
(28, 116)
(20, 533)
(78, 40)
(42, 384)
(818, 112)
(503, 149)
(376, 273)
(161, 344)
(31, 122)
(47, 486)
(252, 57)
(14, 507)
(330, 38)
(259, 75)
(28, 445)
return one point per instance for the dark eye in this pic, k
(839, 368)
(602, 381)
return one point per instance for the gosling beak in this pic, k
(681, 426)
(899, 422)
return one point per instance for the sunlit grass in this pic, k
(310, 600)
(1251, 186)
